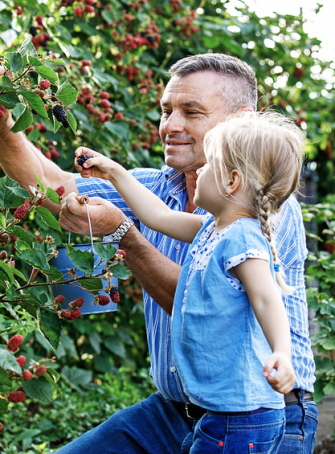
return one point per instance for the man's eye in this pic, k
(165, 112)
(192, 112)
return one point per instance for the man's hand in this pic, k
(283, 380)
(105, 217)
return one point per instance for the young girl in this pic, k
(230, 332)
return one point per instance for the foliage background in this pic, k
(131, 45)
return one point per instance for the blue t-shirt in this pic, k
(218, 345)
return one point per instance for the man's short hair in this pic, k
(239, 86)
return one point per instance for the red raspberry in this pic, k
(102, 118)
(41, 127)
(20, 212)
(104, 95)
(60, 299)
(14, 342)
(21, 360)
(44, 84)
(17, 396)
(4, 238)
(118, 116)
(79, 302)
(60, 191)
(89, 9)
(104, 103)
(27, 375)
(40, 371)
(103, 300)
(86, 63)
(115, 295)
(77, 11)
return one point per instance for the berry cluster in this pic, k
(2, 110)
(41, 39)
(20, 212)
(186, 24)
(68, 314)
(103, 111)
(60, 115)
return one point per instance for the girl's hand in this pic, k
(284, 379)
(97, 165)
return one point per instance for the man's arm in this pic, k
(21, 161)
(157, 274)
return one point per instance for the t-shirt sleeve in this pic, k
(244, 241)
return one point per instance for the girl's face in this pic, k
(207, 194)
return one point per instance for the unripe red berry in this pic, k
(1, 426)
(3, 255)
(102, 117)
(89, 2)
(17, 396)
(118, 116)
(4, 238)
(39, 19)
(89, 9)
(60, 191)
(20, 212)
(44, 84)
(31, 127)
(48, 155)
(115, 295)
(104, 95)
(60, 299)
(86, 63)
(21, 360)
(27, 375)
(103, 300)
(40, 371)
(90, 108)
(79, 302)
(104, 103)
(14, 342)
(77, 11)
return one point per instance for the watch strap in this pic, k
(119, 233)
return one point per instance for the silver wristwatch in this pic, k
(119, 233)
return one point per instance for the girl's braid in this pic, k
(265, 208)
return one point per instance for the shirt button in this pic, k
(177, 246)
(173, 369)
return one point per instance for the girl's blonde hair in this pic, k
(267, 150)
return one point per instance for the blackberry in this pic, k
(33, 31)
(54, 99)
(82, 158)
(151, 39)
(60, 115)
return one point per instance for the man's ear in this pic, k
(235, 181)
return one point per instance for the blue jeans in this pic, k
(157, 426)
(300, 430)
(253, 432)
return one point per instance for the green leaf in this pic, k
(119, 129)
(38, 389)
(21, 192)
(26, 434)
(34, 61)
(57, 124)
(109, 16)
(106, 252)
(120, 271)
(23, 122)
(93, 284)
(53, 196)
(67, 94)
(77, 376)
(7, 269)
(4, 379)
(27, 47)
(9, 100)
(40, 183)
(15, 61)
(8, 361)
(47, 73)
(83, 260)
(48, 218)
(54, 274)
(6, 82)
(7, 197)
(50, 326)
(36, 258)
(11, 311)
(3, 406)
(72, 121)
(115, 345)
(34, 101)
(23, 235)
(2, 221)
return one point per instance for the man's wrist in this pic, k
(119, 233)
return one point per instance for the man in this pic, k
(203, 90)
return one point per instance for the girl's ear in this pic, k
(235, 181)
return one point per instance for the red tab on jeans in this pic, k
(251, 445)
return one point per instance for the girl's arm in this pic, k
(269, 309)
(146, 206)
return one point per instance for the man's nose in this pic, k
(174, 123)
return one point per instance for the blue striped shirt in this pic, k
(170, 186)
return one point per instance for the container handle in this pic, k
(84, 201)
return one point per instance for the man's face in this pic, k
(191, 106)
